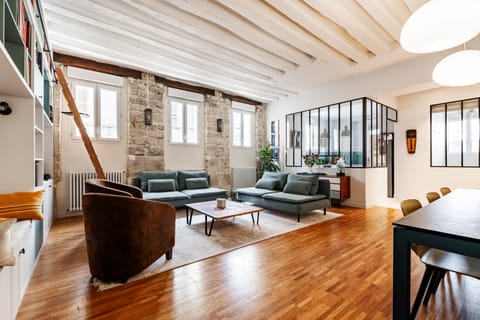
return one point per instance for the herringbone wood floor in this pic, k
(340, 269)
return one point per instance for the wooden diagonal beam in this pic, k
(78, 121)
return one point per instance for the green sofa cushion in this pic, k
(252, 191)
(185, 174)
(298, 187)
(267, 183)
(313, 180)
(165, 196)
(196, 183)
(293, 198)
(282, 177)
(199, 193)
(161, 185)
(149, 175)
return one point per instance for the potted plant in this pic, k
(310, 160)
(266, 161)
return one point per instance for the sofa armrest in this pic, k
(324, 187)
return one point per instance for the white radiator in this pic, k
(244, 177)
(77, 185)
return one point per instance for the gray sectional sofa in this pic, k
(292, 193)
(177, 187)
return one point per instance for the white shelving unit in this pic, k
(26, 69)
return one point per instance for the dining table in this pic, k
(451, 223)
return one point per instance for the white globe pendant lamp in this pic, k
(461, 68)
(441, 24)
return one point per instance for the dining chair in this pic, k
(432, 196)
(445, 190)
(437, 263)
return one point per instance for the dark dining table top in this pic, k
(456, 214)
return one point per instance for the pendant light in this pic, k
(441, 24)
(461, 68)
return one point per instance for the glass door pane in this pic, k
(290, 137)
(314, 133)
(334, 130)
(323, 146)
(297, 152)
(345, 132)
(357, 133)
(470, 133)
(454, 134)
(306, 142)
(438, 135)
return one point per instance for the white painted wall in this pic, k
(413, 174)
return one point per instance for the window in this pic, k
(101, 104)
(455, 134)
(183, 121)
(242, 128)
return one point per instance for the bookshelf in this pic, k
(26, 69)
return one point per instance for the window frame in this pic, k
(242, 126)
(184, 103)
(97, 86)
(445, 106)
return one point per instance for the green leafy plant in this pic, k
(266, 161)
(311, 159)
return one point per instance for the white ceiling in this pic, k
(258, 49)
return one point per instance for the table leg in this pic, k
(209, 232)
(253, 218)
(258, 216)
(189, 218)
(401, 274)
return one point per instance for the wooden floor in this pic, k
(339, 269)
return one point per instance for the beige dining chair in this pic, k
(432, 196)
(445, 190)
(437, 263)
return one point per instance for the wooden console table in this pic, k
(339, 186)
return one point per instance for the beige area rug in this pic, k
(191, 243)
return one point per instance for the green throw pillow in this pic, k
(149, 175)
(282, 177)
(266, 183)
(196, 183)
(186, 174)
(161, 185)
(298, 187)
(313, 180)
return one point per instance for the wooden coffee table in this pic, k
(209, 209)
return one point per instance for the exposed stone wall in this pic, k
(260, 133)
(146, 143)
(217, 144)
(57, 101)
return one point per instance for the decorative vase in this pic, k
(309, 169)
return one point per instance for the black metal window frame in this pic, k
(445, 110)
(383, 116)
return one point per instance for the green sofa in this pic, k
(297, 194)
(177, 187)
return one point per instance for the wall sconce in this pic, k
(147, 116)
(411, 140)
(5, 108)
(219, 125)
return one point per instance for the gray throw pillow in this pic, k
(196, 183)
(183, 175)
(312, 179)
(161, 185)
(282, 177)
(265, 183)
(149, 175)
(298, 187)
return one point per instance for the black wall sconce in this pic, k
(5, 108)
(147, 116)
(219, 125)
(411, 140)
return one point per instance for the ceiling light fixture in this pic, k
(441, 24)
(461, 68)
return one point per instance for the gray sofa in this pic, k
(292, 193)
(177, 187)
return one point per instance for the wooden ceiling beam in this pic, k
(88, 64)
(184, 86)
(240, 99)
(235, 23)
(203, 29)
(276, 24)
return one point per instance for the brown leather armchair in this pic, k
(124, 234)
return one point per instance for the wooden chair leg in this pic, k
(169, 254)
(426, 279)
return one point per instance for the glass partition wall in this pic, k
(355, 130)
